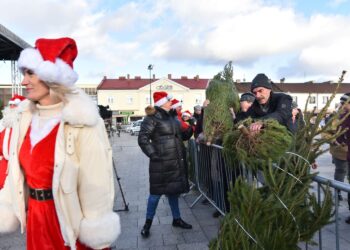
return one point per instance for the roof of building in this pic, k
(124, 83)
(308, 87)
(10, 44)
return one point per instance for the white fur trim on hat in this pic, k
(186, 114)
(100, 232)
(174, 106)
(16, 101)
(58, 72)
(163, 100)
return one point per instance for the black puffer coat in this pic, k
(160, 139)
(279, 108)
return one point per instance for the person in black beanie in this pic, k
(267, 104)
(245, 102)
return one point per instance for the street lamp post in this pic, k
(150, 67)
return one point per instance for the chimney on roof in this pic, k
(282, 80)
(183, 77)
(169, 76)
(238, 80)
(196, 77)
(154, 76)
(137, 77)
(128, 76)
(104, 77)
(121, 77)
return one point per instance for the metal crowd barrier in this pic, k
(210, 173)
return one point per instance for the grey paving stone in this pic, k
(173, 247)
(194, 237)
(193, 246)
(161, 229)
(126, 241)
(210, 232)
(173, 239)
(166, 220)
(154, 240)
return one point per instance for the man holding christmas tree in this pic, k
(345, 138)
(267, 104)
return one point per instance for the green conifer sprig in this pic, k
(223, 95)
(252, 149)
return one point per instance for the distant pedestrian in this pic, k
(344, 139)
(297, 121)
(245, 102)
(160, 138)
(10, 115)
(198, 115)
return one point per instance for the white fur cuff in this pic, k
(100, 232)
(9, 222)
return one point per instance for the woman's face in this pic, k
(166, 106)
(37, 90)
(295, 111)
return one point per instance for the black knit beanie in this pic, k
(261, 80)
(344, 98)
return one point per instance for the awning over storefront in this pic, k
(10, 45)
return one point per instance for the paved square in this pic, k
(132, 168)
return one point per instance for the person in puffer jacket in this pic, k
(161, 139)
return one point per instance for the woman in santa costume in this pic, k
(60, 157)
(10, 115)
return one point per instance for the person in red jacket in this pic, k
(187, 117)
(10, 113)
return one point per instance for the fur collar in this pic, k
(78, 110)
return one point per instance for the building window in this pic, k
(312, 100)
(325, 99)
(110, 99)
(129, 100)
(198, 100)
(147, 100)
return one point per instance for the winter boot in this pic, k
(180, 223)
(146, 228)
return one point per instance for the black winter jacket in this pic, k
(161, 140)
(279, 108)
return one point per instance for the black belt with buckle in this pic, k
(40, 194)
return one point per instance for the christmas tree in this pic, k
(283, 211)
(222, 94)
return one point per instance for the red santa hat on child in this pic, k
(16, 99)
(160, 98)
(51, 60)
(187, 113)
(175, 103)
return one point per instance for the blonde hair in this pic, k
(59, 91)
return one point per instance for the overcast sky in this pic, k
(300, 40)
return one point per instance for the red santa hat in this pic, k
(51, 60)
(160, 98)
(175, 103)
(16, 99)
(187, 113)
